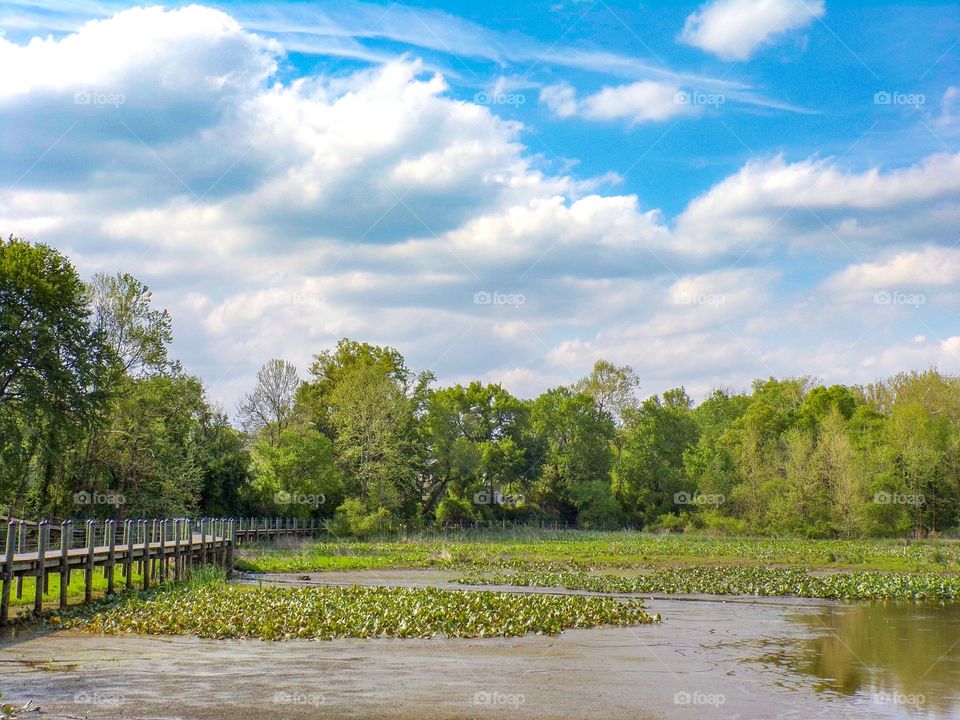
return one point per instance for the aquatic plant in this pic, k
(229, 611)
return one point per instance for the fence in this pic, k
(154, 549)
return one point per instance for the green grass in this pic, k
(744, 581)
(220, 610)
(583, 550)
(75, 590)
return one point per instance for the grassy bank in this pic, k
(75, 590)
(584, 550)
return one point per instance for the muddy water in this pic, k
(710, 658)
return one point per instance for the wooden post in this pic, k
(162, 557)
(153, 538)
(129, 558)
(231, 524)
(111, 554)
(203, 543)
(189, 534)
(222, 547)
(141, 533)
(88, 566)
(66, 532)
(147, 556)
(9, 550)
(41, 566)
(106, 541)
(21, 546)
(124, 541)
(176, 550)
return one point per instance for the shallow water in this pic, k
(712, 657)
(899, 654)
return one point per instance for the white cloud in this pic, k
(771, 201)
(274, 217)
(640, 102)
(929, 267)
(645, 101)
(734, 29)
(560, 98)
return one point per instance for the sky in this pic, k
(504, 191)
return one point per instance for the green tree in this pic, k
(50, 361)
(649, 473)
(269, 409)
(575, 438)
(295, 476)
(134, 332)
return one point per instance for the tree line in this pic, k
(96, 419)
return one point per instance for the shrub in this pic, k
(352, 519)
(455, 511)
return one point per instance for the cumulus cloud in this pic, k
(275, 215)
(929, 267)
(812, 200)
(734, 29)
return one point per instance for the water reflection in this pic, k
(904, 656)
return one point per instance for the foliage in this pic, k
(599, 550)
(353, 519)
(732, 580)
(230, 611)
(295, 476)
(268, 409)
(90, 400)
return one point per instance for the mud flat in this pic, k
(710, 658)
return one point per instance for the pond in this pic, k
(900, 655)
(712, 657)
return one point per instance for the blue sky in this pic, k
(710, 192)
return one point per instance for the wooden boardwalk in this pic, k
(156, 550)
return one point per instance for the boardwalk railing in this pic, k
(156, 550)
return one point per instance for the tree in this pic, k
(475, 436)
(648, 474)
(224, 464)
(374, 429)
(47, 350)
(297, 475)
(268, 409)
(575, 458)
(329, 368)
(612, 387)
(49, 365)
(135, 333)
(148, 450)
